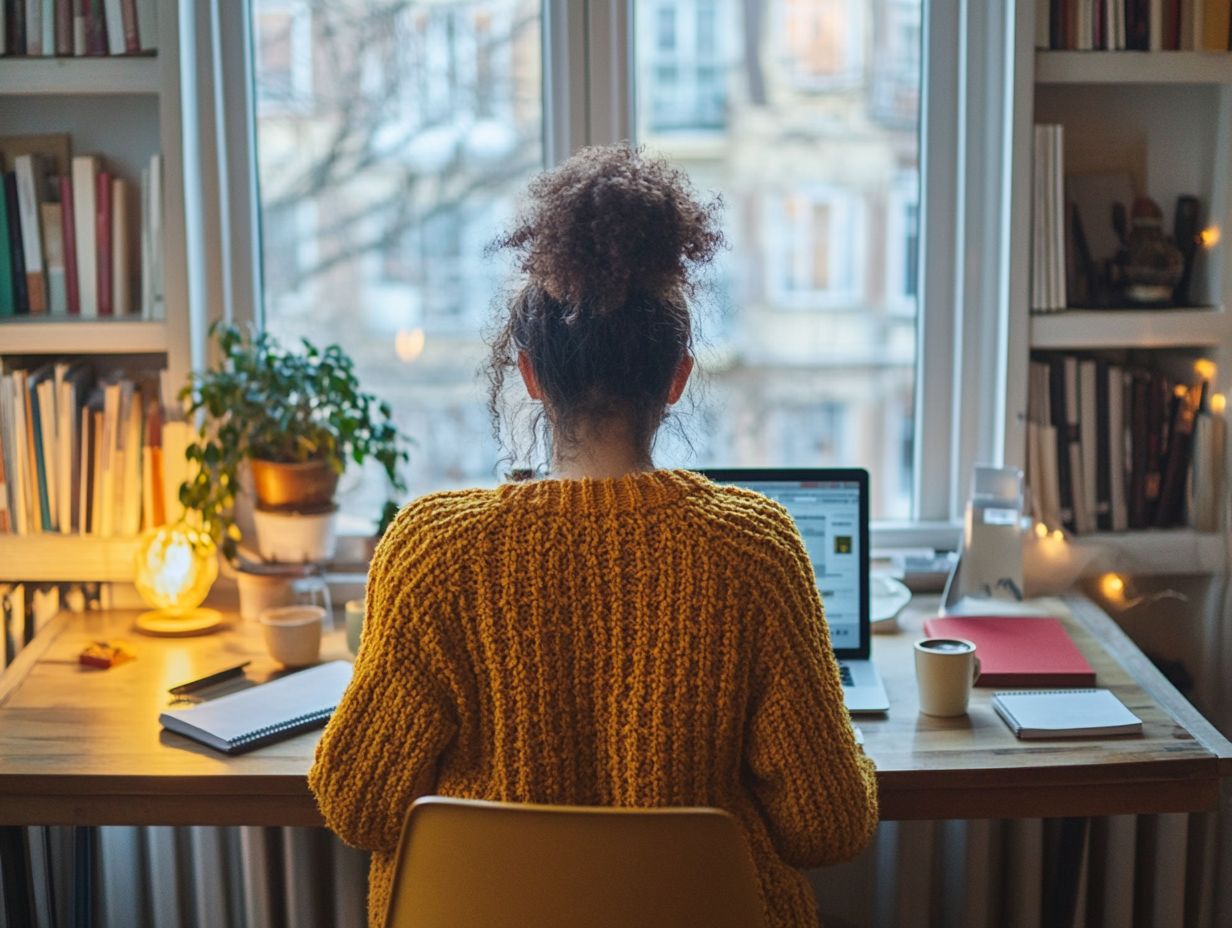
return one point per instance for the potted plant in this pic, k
(296, 417)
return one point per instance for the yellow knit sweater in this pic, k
(651, 640)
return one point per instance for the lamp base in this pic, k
(167, 624)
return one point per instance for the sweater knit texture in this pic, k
(648, 640)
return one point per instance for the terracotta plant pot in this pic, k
(301, 487)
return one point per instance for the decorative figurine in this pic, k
(1151, 264)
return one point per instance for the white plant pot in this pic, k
(295, 538)
(259, 592)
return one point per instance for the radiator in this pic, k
(1160, 870)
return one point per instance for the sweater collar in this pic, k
(637, 491)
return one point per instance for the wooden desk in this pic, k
(83, 747)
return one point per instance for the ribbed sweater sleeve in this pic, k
(380, 749)
(816, 788)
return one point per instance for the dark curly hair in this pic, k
(609, 243)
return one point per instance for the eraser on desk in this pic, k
(104, 654)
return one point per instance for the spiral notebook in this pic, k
(1066, 714)
(261, 715)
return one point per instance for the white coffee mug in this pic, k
(293, 634)
(945, 670)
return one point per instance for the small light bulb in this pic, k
(1205, 368)
(1209, 237)
(1112, 586)
(1041, 530)
(1218, 402)
(1056, 535)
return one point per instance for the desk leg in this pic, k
(1067, 872)
(13, 865)
(83, 876)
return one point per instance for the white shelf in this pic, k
(1133, 67)
(1130, 328)
(51, 76)
(82, 336)
(1157, 551)
(64, 558)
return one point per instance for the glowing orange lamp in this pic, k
(176, 566)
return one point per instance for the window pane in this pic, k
(392, 141)
(809, 322)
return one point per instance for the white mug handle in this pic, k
(975, 666)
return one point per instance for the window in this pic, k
(815, 248)
(824, 42)
(809, 359)
(689, 93)
(378, 199)
(381, 186)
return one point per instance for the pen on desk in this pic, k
(193, 685)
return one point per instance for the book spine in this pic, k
(85, 186)
(40, 466)
(16, 251)
(81, 19)
(102, 234)
(85, 438)
(96, 28)
(147, 24)
(128, 16)
(72, 290)
(121, 263)
(34, 27)
(115, 26)
(1103, 450)
(1057, 401)
(53, 259)
(64, 27)
(8, 295)
(29, 179)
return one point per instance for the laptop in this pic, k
(830, 507)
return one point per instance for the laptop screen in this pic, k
(830, 510)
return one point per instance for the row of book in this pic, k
(67, 233)
(1115, 448)
(41, 28)
(84, 457)
(1133, 25)
(1048, 220)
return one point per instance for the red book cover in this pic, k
(128, 14)
(102, 235)
(1017, 650)
(69, 227)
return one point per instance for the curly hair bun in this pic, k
(612, 224)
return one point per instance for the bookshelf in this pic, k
(1057, 67)
(1166, 119)
(125, 109)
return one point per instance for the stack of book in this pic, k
(1114, 448)
(1135, 25)
(84, 457)
(67, 233)
(1048, 221)
(42, 28)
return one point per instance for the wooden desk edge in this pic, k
(1154, 683)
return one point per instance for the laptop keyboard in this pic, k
(844, 674)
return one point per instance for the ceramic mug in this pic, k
(293, 634)
(945, 671)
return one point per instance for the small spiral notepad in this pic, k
(264, 714)
(1066, 714)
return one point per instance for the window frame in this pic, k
(966, 109)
